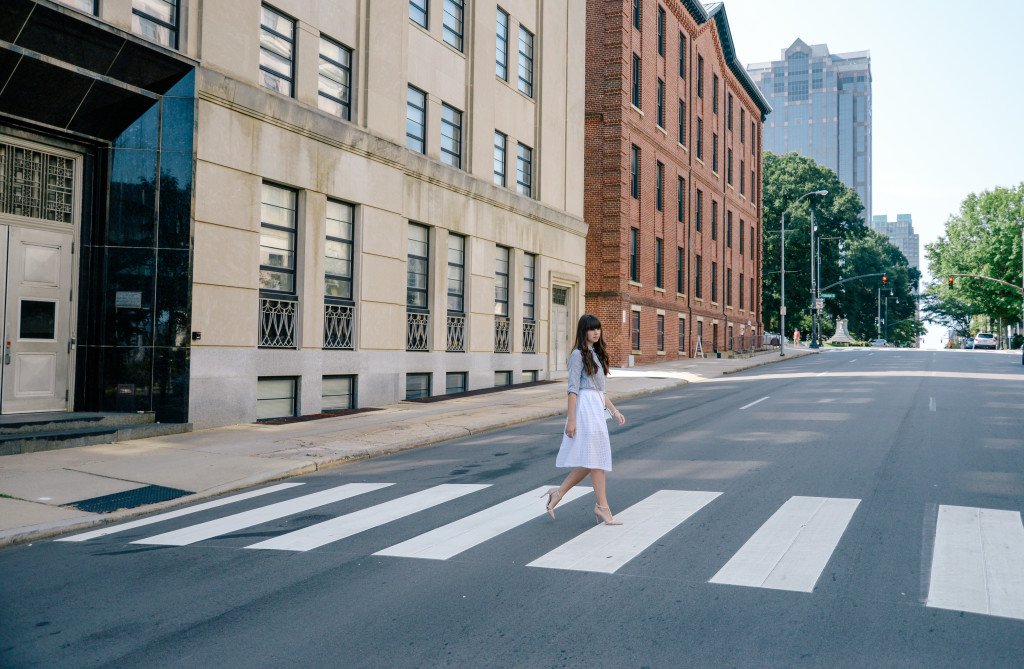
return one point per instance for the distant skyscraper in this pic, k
(901, 234)
(822, 104)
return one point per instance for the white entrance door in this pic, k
(560, 327)
(37, 328)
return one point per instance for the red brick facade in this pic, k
(613, 127)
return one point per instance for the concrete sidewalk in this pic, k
(35, 487)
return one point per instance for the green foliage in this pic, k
(984, 238)
(858, 250)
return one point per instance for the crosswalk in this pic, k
(977, 563)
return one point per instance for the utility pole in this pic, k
(814, 288)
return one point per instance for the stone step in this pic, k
(31, 423)
(12, 444)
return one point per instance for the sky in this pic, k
(947, 86)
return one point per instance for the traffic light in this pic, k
(951, 283)
(885, 281)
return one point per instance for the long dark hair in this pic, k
(587, 323)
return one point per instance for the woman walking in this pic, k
(585, 445)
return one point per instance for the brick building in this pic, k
(672, 197)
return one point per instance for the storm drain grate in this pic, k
(129, 499)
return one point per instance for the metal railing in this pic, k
(339, 320)
(752, 343)
(529, 337)
(501, 335)
(456, 334)
(277, 322)
(417, 332)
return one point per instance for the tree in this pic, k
(847, 247)
(984, 238)
(940, 305)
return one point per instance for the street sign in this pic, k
(828, 294)
(819, 304)
(782, 311)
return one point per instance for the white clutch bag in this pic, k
(608, 414)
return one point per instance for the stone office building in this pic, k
(673, 201)
(313, 206)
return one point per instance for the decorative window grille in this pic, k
(277, 323)
(456, 334)
(338, 326)
(501, 335)
(277, 52)
(417, 332)
(36, 184)
(529, 337)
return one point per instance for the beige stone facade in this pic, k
(248, 135)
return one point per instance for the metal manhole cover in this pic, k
(129, 499)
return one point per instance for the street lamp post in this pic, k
(887, 314)
(782, 268)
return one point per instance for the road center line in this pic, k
(823, 374)
(931, 403)
(756, 402)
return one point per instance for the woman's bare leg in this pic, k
(597, 478)
(574, 477)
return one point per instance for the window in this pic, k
(417, 386)
(502, 379)
(751, 294)
(84, 5)
(525, 61)
(636, 14)
(634, 171)
(335, 78)
(714, 219)
(499, 158)
(697, 278)
(741, 236)
(338, 251)
(156, 20)
(700, 139)
(728, 229)
(277, 239)
(276, 397)
(753, 140)
(524, 171)
(680, 187)
(530, 376)
(714, 152)
(451, 136)
(634, 255)
(338, 393)
(752, 184)
(679, 269)
(700, 332)
(682, 123)
(416, 120)
(714, 94)
(419, 260)
(742, 175)
(682, 55)
(501, 50)
(661, 103)
(740, 302)
(659, 274)
(661, 30)
(682, 334)
(456, 274)
(529, 285)
(700, 76)
(700, 208)
(661, 333)
(277, 47)
(742, 125)
(714, 281)
(418, 11)
(729, 113)
(728, 166)
(634, 331)
(751, 241)
(636, 81)
(452, 29)
(455, 382)
(501, 260)
(728, 287)
(659, 187)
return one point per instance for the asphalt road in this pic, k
(866, 515)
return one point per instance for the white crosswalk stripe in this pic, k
(360, 521)
(605, 549)
(239, 521)
(463, 534)
(978, 562)
(149, 520)
(791, 549)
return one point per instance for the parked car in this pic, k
(969, 342)
(879, 342)
(985, 340)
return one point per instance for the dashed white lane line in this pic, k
(755, 402)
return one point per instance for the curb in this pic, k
(43, 531)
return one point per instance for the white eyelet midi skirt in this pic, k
(590, 448)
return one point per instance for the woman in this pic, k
(585, 445)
